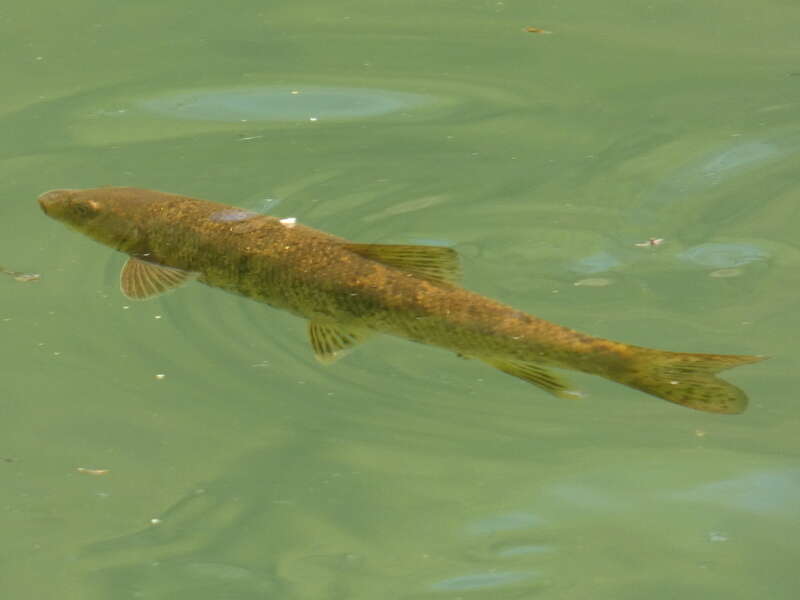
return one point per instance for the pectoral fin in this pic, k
(434, 263)
(140, 280)
(537, 375)
(331, 342)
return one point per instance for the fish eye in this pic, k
(86, 210)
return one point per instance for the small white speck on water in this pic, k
(125, 307)
(155, 521)
(295, 92)
(289, 222)
(160, 376)
(725, 273)
(674, 382)
(593, 282)
(157, 317)
(717, 536)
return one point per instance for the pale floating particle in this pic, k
(674, 382)
(312, 119)
(699, 433)
(289, 222)
(160, 376)
(126, 307)
(530, 29)
(21, 277)
(593, 282)
(295, 92)
(650, 243)
(724, 273)
(155, 521)
(717, 536)
(93, 471)
(157, 317)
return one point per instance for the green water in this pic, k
(250, 471)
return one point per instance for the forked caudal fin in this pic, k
(688, 379)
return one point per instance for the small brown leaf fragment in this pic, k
(535, 30)
(92, 471)
(650, 243)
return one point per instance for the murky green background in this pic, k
(249, 471)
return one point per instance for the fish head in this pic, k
(102, 214)
(69, 206)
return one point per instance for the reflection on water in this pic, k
(593, 531)
(723, 256)
(402, 473)
(277, 103)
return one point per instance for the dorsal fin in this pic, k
(140, 280)
(434, 263)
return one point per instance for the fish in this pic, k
(349, 292)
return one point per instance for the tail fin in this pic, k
(688, 379)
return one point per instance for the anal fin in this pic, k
(535, 374)
(140, 280)
(330, 342)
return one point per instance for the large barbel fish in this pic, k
(349, 291)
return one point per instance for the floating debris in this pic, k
(535, 30)
(21, 277)
(93, 471)
(724, 273)
(593, 282)
(289, 222)
(160, 376)
(650, 243)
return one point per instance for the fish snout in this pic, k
(52, 198)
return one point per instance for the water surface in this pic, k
(220, 460)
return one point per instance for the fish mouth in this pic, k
(50, 199)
